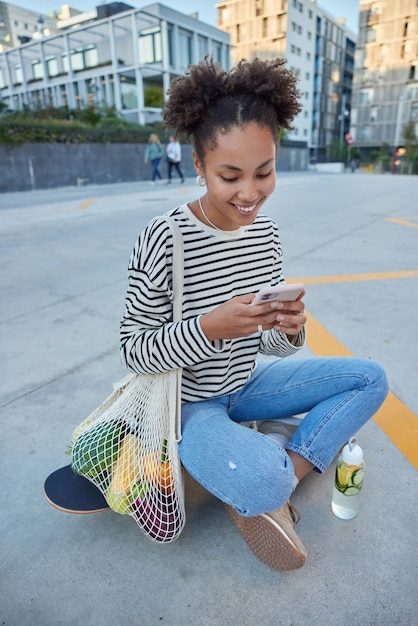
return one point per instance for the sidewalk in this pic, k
(63, 256)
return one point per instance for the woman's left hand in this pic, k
(290, 318)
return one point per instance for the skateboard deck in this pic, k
(71, 493)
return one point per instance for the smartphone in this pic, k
(282, 292)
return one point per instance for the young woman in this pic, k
(173, 152)
(232, 248)
(154, 152)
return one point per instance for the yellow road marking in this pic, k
(85, 204)
(398, 422)
(352, 278)
(404, 221)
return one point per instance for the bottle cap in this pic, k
(352, 454)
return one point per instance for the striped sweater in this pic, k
(218, 266)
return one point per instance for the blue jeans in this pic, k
(155, 171)
(252, 472)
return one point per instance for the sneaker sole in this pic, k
(268, 541)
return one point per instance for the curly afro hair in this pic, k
(207, 100)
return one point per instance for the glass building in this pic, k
(122, 61)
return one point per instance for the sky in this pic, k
(206, 8)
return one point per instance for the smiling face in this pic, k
(240, 174)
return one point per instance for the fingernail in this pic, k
(280, 318)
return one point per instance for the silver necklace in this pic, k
(206, 217)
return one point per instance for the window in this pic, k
(82, 58)
(128, 91)
(185, 48)
(237, 33)
(52, 66)
(366, 96)
(218, 53)
(91, 58)
(203, 47)
(37, 70)
(259, 9)
(150, 48)
(265, 27)
(364, 133)
(370, 35)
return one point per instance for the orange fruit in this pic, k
(157, 472)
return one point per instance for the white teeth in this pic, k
(246, 209)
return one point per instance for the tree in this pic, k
(411, 145)
(154, 97)
(382, 157)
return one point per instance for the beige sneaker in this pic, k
(284, 430)
(271, 536)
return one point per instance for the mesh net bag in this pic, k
(128, 448)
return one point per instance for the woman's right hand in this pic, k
(235, 318)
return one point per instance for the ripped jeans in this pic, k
(250, 471)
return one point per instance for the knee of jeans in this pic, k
(378, 379)
(252, 479)
(267, 491)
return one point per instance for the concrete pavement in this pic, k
(353, 239)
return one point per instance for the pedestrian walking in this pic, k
(173, 152)
(154, 152)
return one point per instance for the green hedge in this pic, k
(15, 131)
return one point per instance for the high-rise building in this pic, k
(19, 25)
(118, 57)
(318, 48)
(385, 94)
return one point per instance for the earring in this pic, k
(200, 181)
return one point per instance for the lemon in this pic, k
(118, 502)
(345, 473)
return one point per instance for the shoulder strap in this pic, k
(178, 277)
(177, 269)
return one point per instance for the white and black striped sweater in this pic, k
(218, 265)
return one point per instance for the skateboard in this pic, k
(71, 493)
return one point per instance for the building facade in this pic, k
(117, 61)
(385, 95)
(19, 25)
(318, 48)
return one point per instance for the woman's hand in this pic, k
(235, 318)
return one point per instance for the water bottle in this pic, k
(349, 475)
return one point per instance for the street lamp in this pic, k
(344, 113)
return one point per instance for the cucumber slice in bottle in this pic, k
(357, 478)
(351, 491)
